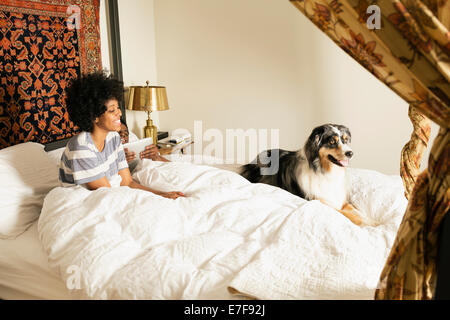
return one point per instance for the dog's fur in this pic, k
(317, 171)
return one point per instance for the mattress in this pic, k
(24, 270)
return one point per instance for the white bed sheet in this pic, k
(24, 270)
(231, 235)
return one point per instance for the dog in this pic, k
(315, 172)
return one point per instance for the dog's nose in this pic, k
(349, 154)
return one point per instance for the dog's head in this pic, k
(328, 146)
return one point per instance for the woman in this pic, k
(95, 157)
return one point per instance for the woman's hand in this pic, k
(128, 181)
(152, 152)
(172, 194)
(129, 155)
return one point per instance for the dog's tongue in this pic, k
(343, 163)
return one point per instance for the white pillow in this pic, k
(56, 155)
(377, 195)
(27, 174)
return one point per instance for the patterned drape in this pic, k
(412, 152)
(43, 44)
(410, 53)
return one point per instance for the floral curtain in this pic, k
(406, 45)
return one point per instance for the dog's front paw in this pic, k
(358, 216)
(351, 213)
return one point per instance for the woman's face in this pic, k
(110, 119)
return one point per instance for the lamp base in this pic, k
(151, 131)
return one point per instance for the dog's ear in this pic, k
(317, 139)
(316, 136)
(312, 146)
(345, 130)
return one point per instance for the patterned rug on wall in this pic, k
(43, 44)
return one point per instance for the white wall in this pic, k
(235, 64)
(256, 64)
(137, 37)
(138, 50)
(262, 64)
(104, 37)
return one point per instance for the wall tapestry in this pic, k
(43, 44)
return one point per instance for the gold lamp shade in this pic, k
(148, 98)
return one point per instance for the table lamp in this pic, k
(148, 98)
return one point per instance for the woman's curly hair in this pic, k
(86, 97)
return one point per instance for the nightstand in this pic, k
(165, 148)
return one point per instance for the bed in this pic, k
(229, 239)
(25, 273)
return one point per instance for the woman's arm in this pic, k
(103, 182)
(94, 185)
(128, 181)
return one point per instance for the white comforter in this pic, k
(228, 236)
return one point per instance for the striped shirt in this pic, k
(81, 161)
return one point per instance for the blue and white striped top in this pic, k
(81, 161)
